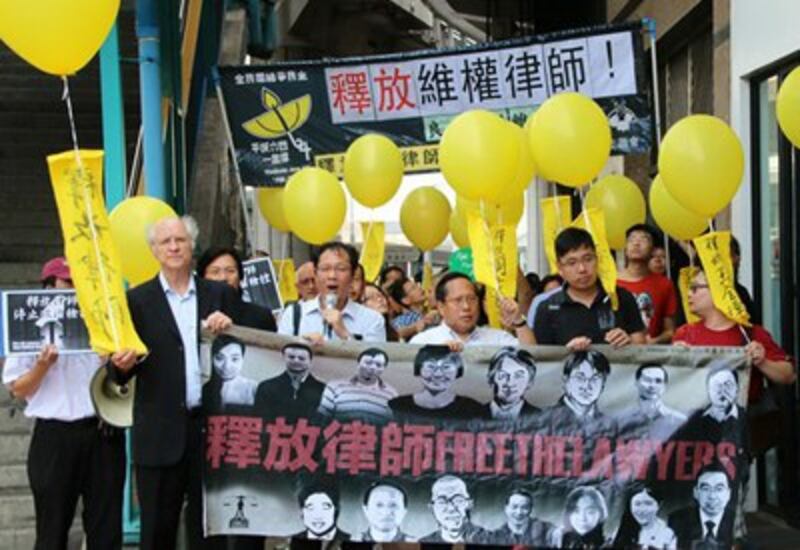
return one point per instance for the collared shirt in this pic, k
(184, 311)
(536, 302)
(358, 320)
(716, 520)
(509, 412)
(481, 336)
(346, 400)
(733, 412)
(590, 413)
(64, 391)
(559, 318)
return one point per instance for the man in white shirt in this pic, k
(332, 315)
(458, 304)
(71, 454)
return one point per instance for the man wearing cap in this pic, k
(167, 441)
(71, 454)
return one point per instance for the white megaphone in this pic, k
(112, 402)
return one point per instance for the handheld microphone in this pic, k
(330, 303)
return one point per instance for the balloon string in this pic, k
(711, 225)
(586, 218)
(667, 256)
(87, 200)
(284, 245)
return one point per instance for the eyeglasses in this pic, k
(696, 287)
(468, 300)
(458, 501)
(434, 366)
(581, 379)
(339, 269)
(572, 263)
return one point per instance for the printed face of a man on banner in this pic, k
(722, 390)
(652, 383)
(371, 367)
(439, 375)
(318, 514)
(519, 507)
(451, 503)
(510, 382)
(385, 509)
(297, 359)
(584, 384)
(712, 493)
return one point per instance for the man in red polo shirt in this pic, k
(654, 293)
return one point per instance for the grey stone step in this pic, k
(13, 477)
(14, 448)
(16, 510)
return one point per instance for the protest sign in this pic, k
(259, 286)
(284, 116)
(449, 439)
(34, 318)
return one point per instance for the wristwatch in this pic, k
(521, 323)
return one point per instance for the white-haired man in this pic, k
(167, 312)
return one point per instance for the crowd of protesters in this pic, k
(569, 308)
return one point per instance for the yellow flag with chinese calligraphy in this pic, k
(373, 250)
(287, 286)
(93, 259)
(714, 250)
(494, 254)
(556, 215)
(685, 276)
(593, 220)
(427, 275)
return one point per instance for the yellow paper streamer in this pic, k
(685, 276)
(427, 275)
(593, 220)
(90, 251)
(556, 215)
(287, 286)
(714, 250)
(373, 250)
(492, 305)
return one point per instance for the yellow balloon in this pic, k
(526, 167)
(508, 212)
(570, 139)
(479, 155)
(678, 222)
(622, 203)
(314, 205)
(458, 229)
(787, 107)
(373, 169)
(56, 36)
(270, 204)
(701, 162)
(425, 217)
(129, 222)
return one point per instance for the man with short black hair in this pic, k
(581, 313)
(651, 418)
(708, 524)
(511, 374)
(655, 295)
(295, 393)
(385, 504)
(319, 511)
(521, 528)
(458, 304)
(332, 315)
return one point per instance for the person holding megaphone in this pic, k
(72, 454)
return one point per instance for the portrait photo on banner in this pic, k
(494, 446)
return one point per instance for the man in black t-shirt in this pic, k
(581, 314)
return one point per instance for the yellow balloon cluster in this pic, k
(425, 217)
(56, 36)
(373, 169)
(787, 107)
(676, 220)
(570, 139)
(701, 162)
(129, 222)
(479, 155)
(270, 204)
(622, 203)
(314, 205)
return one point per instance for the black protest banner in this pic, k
(490, 446)
(289, 115)
(259, 285)
(33, 318)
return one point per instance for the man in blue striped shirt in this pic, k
(362, 397)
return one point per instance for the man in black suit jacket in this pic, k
(295, 393)
(167, 425)
(709, 525)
